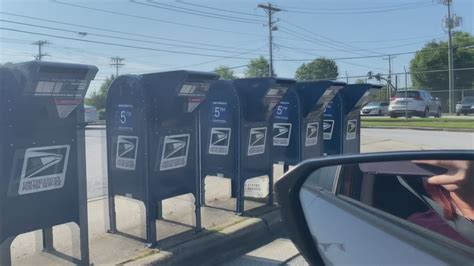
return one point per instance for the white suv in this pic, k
(417, 103)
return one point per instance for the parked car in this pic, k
(375, 108)
(90, 115)
(417, 103)
(465, 106)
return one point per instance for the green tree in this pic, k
(434, 56)
(258, 67)
(320, 68)
(224, 72)
(98, 98)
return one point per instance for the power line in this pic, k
(81, 33)
(196, 13)
(121, 45)
(335, 59)
(410, 72)
(377, 48)
(425, 50)
(120, 32)
(217, 60)
(151, 19)
(400, 39)
(317, 42)
(357, 8)
(329, 40)
(361, 12)
(219, 9)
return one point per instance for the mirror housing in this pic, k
(289, 186)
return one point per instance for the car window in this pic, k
(384, 104)
(468, 100)
(323, 178)
(394, 195)
(410, 94)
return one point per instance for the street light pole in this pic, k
(450, 58)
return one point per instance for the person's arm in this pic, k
(458, 181)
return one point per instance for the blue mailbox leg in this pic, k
(48, 239)
(270, 188)
(151, 215)
(203, 192)
(233, 187)
(159, 210)
(112, 215)
(84, 244)
(197, 211)
(5, 253)
(240, 197)
(286, 167)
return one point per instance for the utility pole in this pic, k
(270, 10)
(117, 62)
(347, 78)
(406, 92)
(389, 78)
(40, 45)
(450, 21)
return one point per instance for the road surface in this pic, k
(425, 138)
(97, 158)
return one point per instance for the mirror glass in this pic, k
(426, 196)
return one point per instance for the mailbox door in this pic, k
(332, 126)
(40, 171)
(126, 138)
(286, 129)
(218, 116)
(256, 149)
(173, 161)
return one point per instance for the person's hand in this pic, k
(459, 177)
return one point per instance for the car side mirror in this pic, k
(340, 209)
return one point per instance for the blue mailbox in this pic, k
(152, 140)
(342, 119)
(236, 130)
(42, 151)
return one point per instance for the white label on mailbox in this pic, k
(175, 152)
(257, 139)
(281, 134)
(351, 131)
(220, 141)
(312, 133)
(44, 168)
(256, 187)
(328, 128)
(126, 157)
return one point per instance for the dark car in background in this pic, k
(465, 106)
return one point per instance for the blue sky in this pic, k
(152, 38)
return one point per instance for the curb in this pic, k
(231, 238)
(423, 128)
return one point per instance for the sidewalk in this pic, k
(177, 238)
